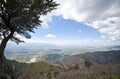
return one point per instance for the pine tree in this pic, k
(21, 17)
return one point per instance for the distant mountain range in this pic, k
(36, 46)
(103, 57)
(116, 47)
(100, 57)
(34, 52)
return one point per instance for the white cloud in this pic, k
(110, 27)
(50, 36)
(103, 36)
(45, 20)
(79, 31)
(32, 40)
(88, 10)
(44, 25)
(103, 15)
(85, 42)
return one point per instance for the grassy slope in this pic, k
(45, 70)
(39, 70)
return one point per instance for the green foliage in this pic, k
(93, 77)
(22, 16)
(74, 67)
(45, 70)
(88, 63)
(42, 70)
(109, 76)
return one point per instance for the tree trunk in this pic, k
(3, 46)
(2, 49)
(5, 70)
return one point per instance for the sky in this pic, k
(80, 22)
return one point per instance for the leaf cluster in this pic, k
(22, 16)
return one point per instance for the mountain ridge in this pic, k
(99, 57)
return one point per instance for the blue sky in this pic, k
(67, 30)
(80, 22)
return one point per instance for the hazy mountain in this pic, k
(34, 52)
(100, 57)
(115, 47)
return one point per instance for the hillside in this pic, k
(96, 65)
(103, 57)
(45, 70)
(39, 70)
(75, 67)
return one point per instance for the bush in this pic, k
(74, 67)
(88, 63)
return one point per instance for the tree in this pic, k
(88, 63)
(21, 17)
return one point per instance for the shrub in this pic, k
(88, 63)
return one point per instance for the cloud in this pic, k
(109, 27)
(50, 36)
(32, 40)
(88, 10)
(103, 36)
(79, 31)
(86, 42)
(102, 15)
(45, 20)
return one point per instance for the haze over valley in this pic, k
(33, 52)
